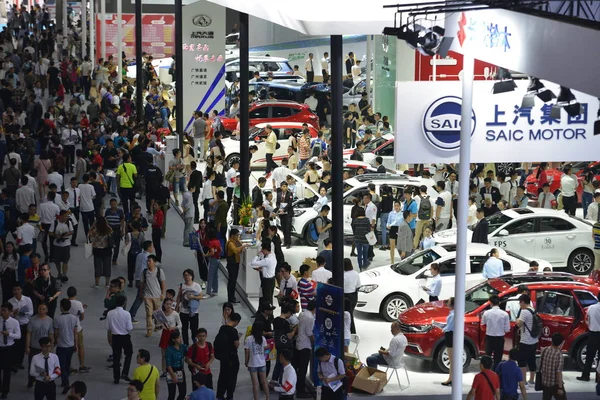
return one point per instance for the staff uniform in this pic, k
(493, 268)
(593, 321)
(40, 367)
(25, 307)
(7, 346)
(497, 325)
(118, 323)
(268, 264)
(434, 287)
(287, 381)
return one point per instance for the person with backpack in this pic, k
(511, 377)
(61, 231)
(530, 326)
(330, 371)
(226, 344)
(134, 240)
(424, 214)
(318, 146)
(486, 385)
(153, 289)
(200, 357)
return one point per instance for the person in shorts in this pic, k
(61, 231)
(254, 349)
(527, 343)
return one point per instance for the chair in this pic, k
(395, 369)
(355, 338)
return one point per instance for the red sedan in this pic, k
(276, 111)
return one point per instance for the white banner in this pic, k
(428, 120)
(203, 59)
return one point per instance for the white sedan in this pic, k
(392, 289)
(563, 240)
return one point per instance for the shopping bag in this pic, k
(88, 250)
(195, 241)
(371, 238)
(125, 247)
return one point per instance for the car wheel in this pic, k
(581, 262)
(581, 356)
(442, 361)
(231, 158)
(310, 234)
(394, 305)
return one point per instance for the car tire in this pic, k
(310, 238)
(441, 359)
(580, 355)
(393, 305)
(230, 158)
(581, 262)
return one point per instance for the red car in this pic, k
(560, 300)
(276, 111)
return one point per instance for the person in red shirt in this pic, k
(200, 356)
(214, 255)
(157, 224)
(31, 274)
(486, 384)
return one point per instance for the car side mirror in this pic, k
(503, 232)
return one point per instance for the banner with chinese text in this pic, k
(428, 117)
(203, 59)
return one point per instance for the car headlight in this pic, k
(298, 213)
(367, 288)
(418, 328)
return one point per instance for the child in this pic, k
(200, 356)
(428, 241)
(170, 295)
(173, 323)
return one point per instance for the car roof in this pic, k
(261, 58)
(557, 280)
(279, 102)
(283, 125)
(377, 178)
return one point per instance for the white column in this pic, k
(103, 27)
(434, 67)
(64, 22)
(463, 210)
(369, 61)
(84, 28)
(120, 40)
(92, 33)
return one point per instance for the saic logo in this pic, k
(202, 20)
(441, 123)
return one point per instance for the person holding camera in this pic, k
(46, 289)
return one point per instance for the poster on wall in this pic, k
(158, 35)
(203, 59)
(329, 322)
(428, 118)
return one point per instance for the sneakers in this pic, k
(134, 321)
(84, 369)
(583, 378)
(95, 286)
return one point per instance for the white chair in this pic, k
(355, 338)
(395, 369)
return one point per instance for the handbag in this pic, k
(88, 249)
(538, 381)
(371, 238)
(125, 246)
(169, 176)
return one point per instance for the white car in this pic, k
(392, 289)
(563, 240)
(303, 225)
(157, 63)
(283, 130)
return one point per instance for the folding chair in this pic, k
(395, 369)
(355, 338)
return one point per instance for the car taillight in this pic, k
(290, 73)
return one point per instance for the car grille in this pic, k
(404, 327)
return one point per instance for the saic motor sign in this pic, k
(430, 116)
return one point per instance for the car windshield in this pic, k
(373, 145)
(495, 221)
(517, 256)
(478, 296)
(414, 263)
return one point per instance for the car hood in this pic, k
(449, 236)
(376, 275)
(425, 313)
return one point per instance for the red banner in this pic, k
(158, 35)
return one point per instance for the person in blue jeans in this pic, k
(386, 205)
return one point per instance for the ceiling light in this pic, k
(566, 100)
(505, 84)
(536, 88)
(428, 42)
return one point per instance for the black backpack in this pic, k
(105, 104)
(282, 341)
(222, 346)
(536, 325)
(424, 212)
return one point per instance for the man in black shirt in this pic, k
(363, 104)
(230, 363)
(53, 74)
(110, 157)
(357, 154)
(283, 336)
(195, 186)
(264, 314)
(349, 131)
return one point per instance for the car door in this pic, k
(520, 238)
(448, 274)
(348, 204)
(557, 310)
(556, 239)
(259, 115)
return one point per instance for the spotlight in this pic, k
(536, 88)
(428, 42)
(506, 83)
(566, 100)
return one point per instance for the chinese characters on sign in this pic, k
(489, 34)
(329, 321)
(201, 48)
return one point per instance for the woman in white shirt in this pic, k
(173, 323)
(493, 267)
(322, 201)
(188, 290)
(254, 350)
(208, 193)
(472, 218)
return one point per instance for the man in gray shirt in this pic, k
(40, 325)
(199, 126)
(153, 289)
(65, 332)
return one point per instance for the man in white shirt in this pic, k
(393, 356)
(48, 211)
(568, 186)
(230, 180)
(56, 178)
(443, 211)
(356, 71)
(546, 199)
(321, 274)
(69, 139)
(74, 203)
(593, 211)
(87, 193)
(22, 311)
(325, 67)
(10, 332)
(25, 232)
(287, 386)
(309, 68)
(592, 320)
(119, 326)
(452, 186)
(265, 262)
(497, 323)
(24, 196)
(505, 188)
(304, 344)
(280, 174)
(45, 368)
(311, 101)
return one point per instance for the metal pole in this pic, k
(180, 120)
(244, 105)
(369, 70)
(93, 35)
(120, 41)
(103, 27)
(435, 67)
(139, 79)
(83, 28)
(461, 221)
(64, 22)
